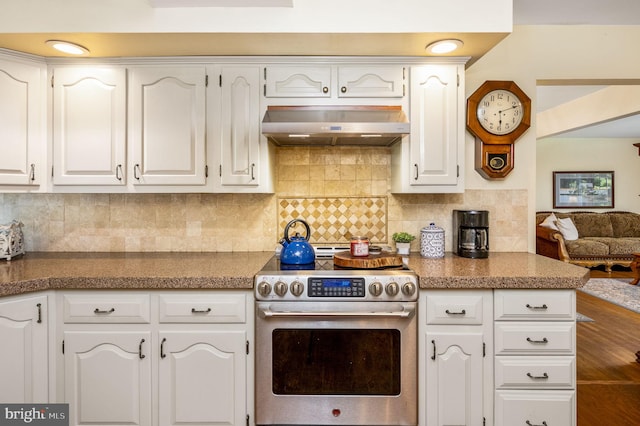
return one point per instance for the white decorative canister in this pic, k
(11, 240)
(432, 241)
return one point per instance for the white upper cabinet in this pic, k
(353, 81)
(21, 139)
(167, 125)
(431, 159)
(89, 126)
(371, 81)
(239, 130)
(298, 82)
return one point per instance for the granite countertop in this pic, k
(71, 270)
(221, 270)
(499, 270)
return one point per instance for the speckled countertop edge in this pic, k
(207, 271)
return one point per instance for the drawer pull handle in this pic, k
(543, 307)
(200, 311)
(100, 311)
(462, 312)
(543, 377)
(162, 354)
(39, 305)
(433, 343)
(533, 424)
(544, 340)
(140, 350)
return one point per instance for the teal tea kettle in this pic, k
(296, 250)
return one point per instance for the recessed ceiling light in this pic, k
(67, 47)
(444, 46)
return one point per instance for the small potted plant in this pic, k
(403, 241)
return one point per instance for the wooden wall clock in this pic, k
(498, 113)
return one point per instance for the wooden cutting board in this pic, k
(344, 259)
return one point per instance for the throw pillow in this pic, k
(567, 228)
(550, 222)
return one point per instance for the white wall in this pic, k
(567, 154)
(533, 53)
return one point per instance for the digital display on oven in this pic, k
(336, 283)
(336, 287)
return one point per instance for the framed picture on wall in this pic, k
(592, 190)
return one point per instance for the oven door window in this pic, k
(336, 362)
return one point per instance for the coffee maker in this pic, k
(471, 233)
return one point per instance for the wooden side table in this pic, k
(635, 267)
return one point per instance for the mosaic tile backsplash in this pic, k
(336, 220)
(326, 179)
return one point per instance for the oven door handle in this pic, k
(407, 312)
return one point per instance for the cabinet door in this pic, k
(89, 126)
(23, 351)
(167, 126)
(202, 378)
(240, 126)
(371, 82)
(434, 125)
(454, 378)
(20, 135)
(298, 82)
(108, 377)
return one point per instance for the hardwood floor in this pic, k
(608, 376)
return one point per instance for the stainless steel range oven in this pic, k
(336, 347)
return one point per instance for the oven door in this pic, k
(336, 363)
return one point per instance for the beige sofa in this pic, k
(607, 238)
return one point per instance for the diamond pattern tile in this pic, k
(335, 220)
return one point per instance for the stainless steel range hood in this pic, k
(335, 125)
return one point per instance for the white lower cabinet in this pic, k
(24, 349)
(455, 363)
(535, 369)
(535, 408)
(199, 381)
(158, 358)
(108, 377)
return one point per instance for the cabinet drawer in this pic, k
(552, 305)
(457, 307)
(202, 308)
(106, 308)
(535, 372)
(535, 408)
(524, 338)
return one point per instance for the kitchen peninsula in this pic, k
(179, 320)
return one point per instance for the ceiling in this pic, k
(580, 12)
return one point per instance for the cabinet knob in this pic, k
(325, 89)
(343, 89)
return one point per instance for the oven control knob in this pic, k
(280, 288)
(375, 288)
(264, 288)
(409, 288)
(296, 288)
(392, 288)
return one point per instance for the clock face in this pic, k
(500, 112)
